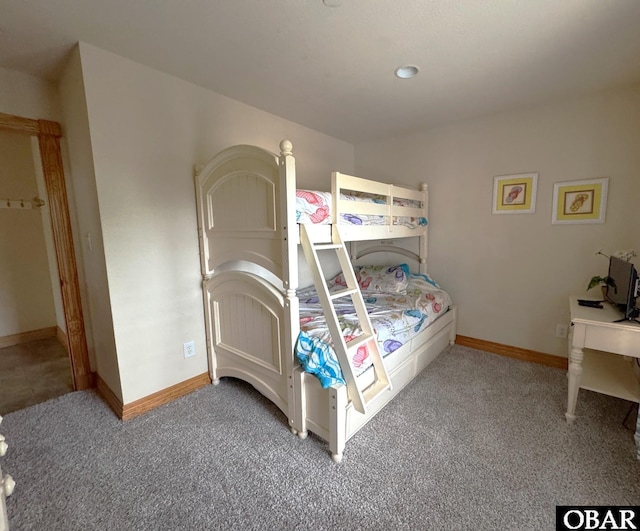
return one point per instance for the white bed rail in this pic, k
(385, 206)
(343, 184)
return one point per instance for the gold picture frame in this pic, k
(515, 194)
(580, 201)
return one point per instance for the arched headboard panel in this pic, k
(247, 229)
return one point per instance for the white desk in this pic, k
(603, 372)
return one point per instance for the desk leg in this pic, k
(575, 373)
(637, 436)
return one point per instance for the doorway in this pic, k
(34, 364)
(48, 134)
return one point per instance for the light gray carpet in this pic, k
(477, 441)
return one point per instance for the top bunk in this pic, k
(364, 209)
(249, 209)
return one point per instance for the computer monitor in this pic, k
(624, 287)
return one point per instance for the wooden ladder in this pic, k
(360, 397)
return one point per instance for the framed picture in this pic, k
(580, 201)
(515, 194)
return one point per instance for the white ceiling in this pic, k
(331, 68)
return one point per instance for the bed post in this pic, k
(452, 332)
(288, 226)
(197, 170)
(338, 400)
(423, 237)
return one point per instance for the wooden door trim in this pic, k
(49, 134)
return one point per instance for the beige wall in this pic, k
(28, 96)
(511, 275)
(147, 130)
(88, 232)
(26, 296)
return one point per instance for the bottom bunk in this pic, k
(329, 413)
(250, 326)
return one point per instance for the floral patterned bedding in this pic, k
(396, 316)
(315, 208)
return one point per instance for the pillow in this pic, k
(426, 278)
(379, 279)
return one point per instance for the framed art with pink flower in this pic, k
(515, 194)
(580, 201)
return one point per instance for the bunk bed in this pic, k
(255, 239)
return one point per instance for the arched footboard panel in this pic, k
(245, 333)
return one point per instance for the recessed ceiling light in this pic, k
(406, 71)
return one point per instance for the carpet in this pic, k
(476, 441)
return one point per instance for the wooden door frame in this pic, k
(49, 134)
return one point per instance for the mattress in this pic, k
(313, 207)
(398, 311)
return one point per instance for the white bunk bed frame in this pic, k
(249, 259)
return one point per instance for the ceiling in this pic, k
(332, 68)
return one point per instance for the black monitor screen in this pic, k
(621, 273)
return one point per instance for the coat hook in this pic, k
(37, 202)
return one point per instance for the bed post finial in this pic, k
(286, 148)
(423, 187)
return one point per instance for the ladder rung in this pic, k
(325, 246)
(342, 293)
(375, 389)
(360, 340)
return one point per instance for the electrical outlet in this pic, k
(561, 331)
(189, 349)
